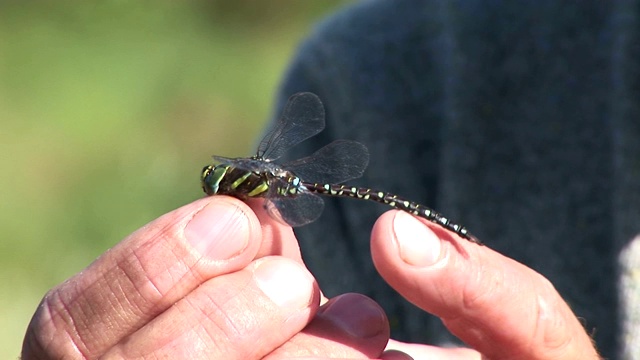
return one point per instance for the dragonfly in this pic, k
(292, 189)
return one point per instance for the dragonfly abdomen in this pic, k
(391, 200)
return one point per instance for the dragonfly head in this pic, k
(211, 177)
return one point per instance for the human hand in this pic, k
(204, 281)
(499, 307)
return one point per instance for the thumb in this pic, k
(500, 307)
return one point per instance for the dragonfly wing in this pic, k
(248, 164)
(302, 118)
(296, 211)
(337, 162)
(223, 160)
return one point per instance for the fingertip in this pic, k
(416, 244)
(421, 262)
(395, 355)
(349, 326)
(357, 315)
(286, 282)
(400, 239)
(381, 236)
(221, 229)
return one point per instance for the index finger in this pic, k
(498, 306)
(143, 275)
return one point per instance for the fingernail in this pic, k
(417, 244)
(285, 282)
(356, 314)
(219, 231)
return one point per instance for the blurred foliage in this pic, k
(108, 111)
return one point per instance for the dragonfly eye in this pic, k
(211, 177)
(203, 177)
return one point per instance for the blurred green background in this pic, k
(108, 112)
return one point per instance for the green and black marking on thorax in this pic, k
(226, 179)
(291, 196)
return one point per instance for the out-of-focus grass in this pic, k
(108, 111)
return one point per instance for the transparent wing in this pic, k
(223, 160)
(302, 118)
(300, 210)
(247, 164)
(337, 162)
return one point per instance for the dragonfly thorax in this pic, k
(288, 184)
(226, 179)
